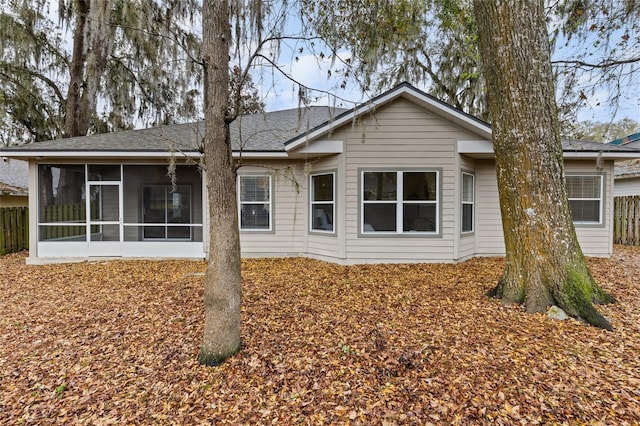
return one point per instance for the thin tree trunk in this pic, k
(222, 291)
(544, 262)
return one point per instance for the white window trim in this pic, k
(472, 203)
(312, 202)
(600, 199)
(269, 202)
(399, 202)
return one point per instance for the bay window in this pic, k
(399, 202)
(322, 198)
(468, 202)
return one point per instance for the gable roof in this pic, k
(279, 134)
(405, 91)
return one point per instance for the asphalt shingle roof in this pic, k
(14, 174)
(265, 132)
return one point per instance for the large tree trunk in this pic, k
(544, 262)
(76, 123)
(222, 291)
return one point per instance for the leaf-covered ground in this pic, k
(116, 343)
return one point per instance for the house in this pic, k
(627, 173)
(400, 178)
(13, 183)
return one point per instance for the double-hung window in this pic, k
(585, 198)
(255, 202)
(322, 198)
(468, 202)
(400, 202)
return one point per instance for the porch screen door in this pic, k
(105, 217)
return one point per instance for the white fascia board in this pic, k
(475, 147)
(260, 155)
(372, 105)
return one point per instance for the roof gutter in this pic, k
(39, 155)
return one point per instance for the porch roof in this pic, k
(256, 133)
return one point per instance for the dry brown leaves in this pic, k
(116, 343)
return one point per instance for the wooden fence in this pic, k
(14, 229)
(65, 213)
(626, 220)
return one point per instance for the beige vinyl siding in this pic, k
(595, 240)
(287, 238)
(489, 239)
(329, 246)
(401, 136)
(466, 241)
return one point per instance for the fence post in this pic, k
(616, 220)
(3, 248)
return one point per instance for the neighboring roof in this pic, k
(14, 176)
(626, 169)
(626, 140)
(12, 190)
(629, 168)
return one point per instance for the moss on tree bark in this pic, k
(544, 262)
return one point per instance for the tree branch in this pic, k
(50, 83)
(601, 65)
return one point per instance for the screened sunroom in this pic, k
(128, 210)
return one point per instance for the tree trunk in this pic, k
(92, 28)
(76, 122)
(222, 291)
(544, 262)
